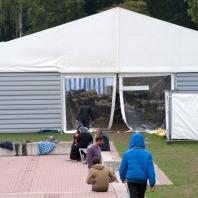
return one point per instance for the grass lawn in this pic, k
(179, 161)
(35, 137)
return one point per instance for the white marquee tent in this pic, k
(113, 42)
(116, 40)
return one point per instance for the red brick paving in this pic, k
(51, 176)
(47, 176)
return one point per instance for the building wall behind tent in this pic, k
(187, 82)
(29, 102)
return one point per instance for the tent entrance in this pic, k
(143, 101)
(98, 90)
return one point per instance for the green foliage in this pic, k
(92, 6)
(8, 19)
(136, 6)
(193, 10)
(38, 15)
(173, 11)
(34, 137)
(43, 14)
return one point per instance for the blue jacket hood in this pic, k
(137, 140)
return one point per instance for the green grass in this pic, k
(179, 161)
(34, 137)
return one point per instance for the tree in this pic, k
(136, 6)
(174, 11)
(12, 9)
(92, 6)
(193, 10)
(28, 16)
(43, 14)
(7, 29)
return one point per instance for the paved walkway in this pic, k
(49, 176)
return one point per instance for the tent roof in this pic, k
(116, 40)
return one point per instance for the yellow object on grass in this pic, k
(160, 132)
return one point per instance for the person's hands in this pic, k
(124, 181)
(152, 189)
(76, 121)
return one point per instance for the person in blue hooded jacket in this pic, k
(136, 167)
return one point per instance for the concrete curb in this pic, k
(108, 161)
(114, 165)
(31, 149)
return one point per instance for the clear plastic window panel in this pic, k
(97, 91)
(145, 109)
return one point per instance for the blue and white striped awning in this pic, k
(97, 84)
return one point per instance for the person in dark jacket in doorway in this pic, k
(136, 167)
(85, 114)
(105, 146)
(83, 140)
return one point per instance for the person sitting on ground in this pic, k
(105, 146)
(94, 150)
(136, 167)
(99, 176)
(83, 140)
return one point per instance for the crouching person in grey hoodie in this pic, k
(99, 176)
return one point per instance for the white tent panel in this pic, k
(151, 45)
(184, 116)
(83, 46)
(116, 40)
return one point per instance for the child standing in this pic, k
(136, 167)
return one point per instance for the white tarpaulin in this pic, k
(184, 116)
(142, 101)
(113, 41)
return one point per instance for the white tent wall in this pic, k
(187, 82)
(113, 41)
(183, 114)
(151, 45)
(116, 41)
(29, 102)
(88, 45)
